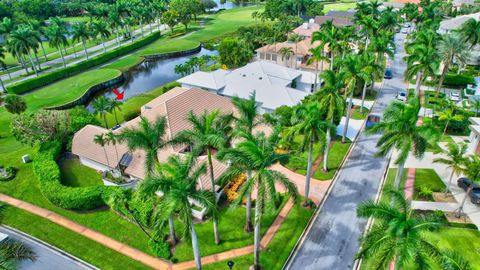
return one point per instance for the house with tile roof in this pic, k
(274, 85)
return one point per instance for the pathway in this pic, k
(410, 183)
(433, 206)
(331, 241)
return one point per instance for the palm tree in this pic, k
(57, 39)
(470, 30)
(373, 69)
(399, 237)
(113, 106)
(472, 170)
(447, 116)
(296, 39)
(101, 106)
(316, 57)
(286, 53)
(207, 134)
(328, 35)
(308, 122)
(112, 139)
(115, 22)
(380, 45)
(180, 178)
(148, 137)
(102, 141)
(400, 131)
(23, 40)
(333, 104)
(475, 103)
(354, 71)
(39, 31)
(248, 119)
(451, 49)
(101, 28)
(15, 104)
(455, 158)
(80, 32)
(259, 151)
(4, 66)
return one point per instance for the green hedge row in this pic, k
(458, 80)
(47, 172)
(27, 85)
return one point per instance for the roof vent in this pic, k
(147, 108)
(244, 75)
(311, 21)
(305, 25)
(260, 78)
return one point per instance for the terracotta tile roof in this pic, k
(218, 169)
(337, 21)
(303, 47)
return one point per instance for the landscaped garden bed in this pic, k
(427, 182)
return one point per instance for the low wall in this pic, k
(172, 54)
(90, 93)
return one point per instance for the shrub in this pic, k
(9, 173)
(27, 85)
(48, 175)
(160, 249)
(129, 115)
(458, 80)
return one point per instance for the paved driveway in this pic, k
(331, 241)
(47, 258)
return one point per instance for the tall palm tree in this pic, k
(399, 237)
(354, 71)
(207, 134)
(102, 141)
(3, 65)
(295, 38)
(475, 104)
(286, 54)
(180, 177)
(149, 137)
(380, 45)
(115, 22)
(101, 106)
(472, 170)
(455, 158)
(38, 29)
(451, 49)
(470, 30)
(373, 69)
(308, 122)
(101, 28)
(113, 106)
(400, 131)
(80, 32)
(112, 139)
(24, 41)
(448, 116)
(316, 57)
(328, 35)
(333, 104)
(57, 39)
(259, 151)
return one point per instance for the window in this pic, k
(262, 55)
(274, 57)
(268, 56)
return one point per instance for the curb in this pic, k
(53, 248)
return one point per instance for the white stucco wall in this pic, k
(93, 164)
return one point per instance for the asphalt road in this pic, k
(47, 258)
(331, 241)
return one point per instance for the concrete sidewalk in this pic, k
(433, 206)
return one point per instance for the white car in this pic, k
(455, 96)
(404, 31)
(402, 95)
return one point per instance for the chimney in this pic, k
(305, 25)
(311, 21)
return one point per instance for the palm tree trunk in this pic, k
(460, 209)
(445, 129)
(106, 156)
(256, 236)
(327, 148)
(141, 27)
(449, 183)
(171, 227)
(399, 175)
(196, 251)
(38, 61)
(85, 48)
(103, 44)
(33, 63)
(43, 50)
(8, 72)
(248, 208)
(115, 114)
(63, 59)
(442, 78)
(349, 108)
(74, 51)
(316, 76)
(105, 120)
(419, 82)
(212, 179)
(364, 92)
(3, 86)
(309, 171)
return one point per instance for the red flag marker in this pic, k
(119, 95)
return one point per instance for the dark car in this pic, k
(464, 183)
(372, 120)
(388, 74)
(475, 195)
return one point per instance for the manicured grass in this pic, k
(337, 152)
(74, 174)
(427, 178)
(357, 115)
(339, 7)
(67, 90)
(277, 252)
(71, 242)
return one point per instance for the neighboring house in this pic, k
(337, 21)
(453, 24)
(274, 85)
(474, 139)
(347, 14)
(307, 29)
(298, 59)
(459, 3)
(174, 105)
(395, 5)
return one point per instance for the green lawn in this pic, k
(339, 6)
(74, 174)
(277, 252)
(357, 115)
(337, 153)
(427, 178)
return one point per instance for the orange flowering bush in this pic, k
(232, 188)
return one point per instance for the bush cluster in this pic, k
(47, 172)
(458, 80)
(27, 85)
(10, 173)
(160, 248)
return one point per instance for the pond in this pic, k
(227, 5)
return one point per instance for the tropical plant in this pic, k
(309, 124)
(400, 131)
(316, 56)
(38, 31)
(57, 38)
(454, 159)
(470, 30)
(399, 237)
(100, 28)
(286, 54)
(111, 138)
(333, 105)
(23, 40)
(475, 104)
(80, 32)
(148, 137)
(101, 106)
(328, 35)
(447, 116)
(381, 45)
(15, 104)
(373, 69)
(295, 38)
(260, 152)
(102, 141)
(113, 106)
(471, 169)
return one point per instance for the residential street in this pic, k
(47, 258)
(331, 241)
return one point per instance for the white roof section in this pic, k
(457, 22)
(210, 80)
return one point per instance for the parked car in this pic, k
(372, 119)
(404, 31)
(475, 195)
(397, 30)
(402, 95)
(388, 74)
(407, 25)
(455, 96)
(464, 183)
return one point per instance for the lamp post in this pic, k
(230, 264)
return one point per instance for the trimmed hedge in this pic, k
(458, 80)
(47, 172)
(42, 80)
